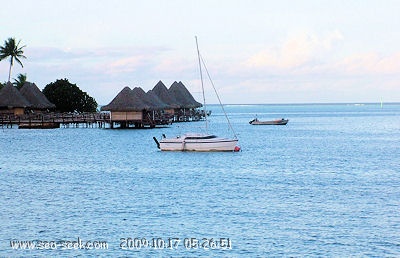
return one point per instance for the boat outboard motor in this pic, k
(158, 144)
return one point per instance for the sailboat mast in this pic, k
(202, 86)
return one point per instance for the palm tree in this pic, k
(20, 81)
(12, 50)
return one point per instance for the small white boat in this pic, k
(272, 122)
(197, 142)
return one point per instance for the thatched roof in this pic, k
(183, 96)
(152, 101)
(35, 97)
(156, 100)
(164, 95)
(126, 100)
(10, 97)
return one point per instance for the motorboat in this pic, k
(282, 121)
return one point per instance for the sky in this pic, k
(256, 51)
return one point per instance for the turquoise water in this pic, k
(327, 184)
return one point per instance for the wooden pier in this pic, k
(88, 120)
(91, 120)
(54, 120)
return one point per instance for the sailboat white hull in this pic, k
(199, 141)
(203, 143)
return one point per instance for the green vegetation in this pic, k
(14, 51)
(68, 97)
(20, 81)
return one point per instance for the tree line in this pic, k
(66, 96)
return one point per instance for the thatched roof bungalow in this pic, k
(156, 100)
(126, 108)
(11, 100)
(153, 102)
(183, 96)
(35, 97)
(156, 111)
(158, 105)
(165, 96)
(125, 101)
(181, 103)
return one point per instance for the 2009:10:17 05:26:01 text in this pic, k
(175, 242)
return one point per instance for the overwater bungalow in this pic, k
(156, 108)
(183, 96)
(39, 102)
(187, 104)
(153, 98)
(126, 109)
(182, 105)
(161, 91)
(11, 101)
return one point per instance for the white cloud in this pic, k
(174, 65)
(370, 63)
(304, 68)
(126, 64)
(295, 51)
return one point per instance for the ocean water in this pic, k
(327, 184)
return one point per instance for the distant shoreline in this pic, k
(316, 103)
(302, 104)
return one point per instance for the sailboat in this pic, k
(199, 141)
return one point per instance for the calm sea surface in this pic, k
(327, 184)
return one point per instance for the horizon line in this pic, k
(306, 103)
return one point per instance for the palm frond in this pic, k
(19, 61)
(12, 50)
